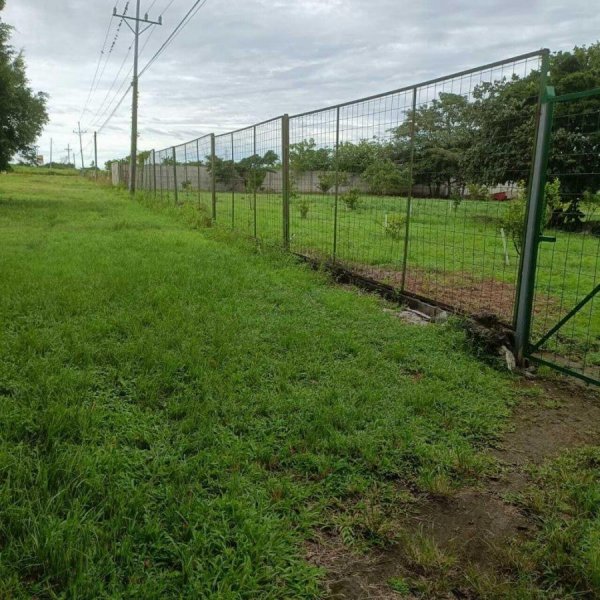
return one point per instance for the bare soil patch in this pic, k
(477, 524)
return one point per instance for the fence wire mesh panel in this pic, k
(313, 203)
(242, 143)
(566, 316)
(225, 178)
(424, 189)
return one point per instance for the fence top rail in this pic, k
(514, 59)
(519, 58)
(202, 137)
(576, 95)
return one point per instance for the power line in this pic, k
(112, 114)
(198, 4)
(110, 22)
(112, 85)
(101, 116)
(112, 46)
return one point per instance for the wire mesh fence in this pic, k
(423, 189)
(566, 319)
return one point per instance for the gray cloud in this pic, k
(243, 61)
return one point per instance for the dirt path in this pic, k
(475, 525)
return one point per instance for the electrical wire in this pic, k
(198, 4)
(89, 96)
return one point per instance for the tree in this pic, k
(305, 156)
(443, 132)
(385, 178)
(503, 115)
(225, 171)
(22, 112)
(253, 169)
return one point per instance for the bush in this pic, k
(351, 199)
(327, 180)
(384, 177)
(477, 192)
(395, 226)
(304, 206)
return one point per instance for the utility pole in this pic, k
(80, 133)
(96, 155)
(134, 85)
(68, 149)
(50, 153)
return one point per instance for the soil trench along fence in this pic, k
(479, 192)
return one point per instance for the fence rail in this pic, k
(424, 188)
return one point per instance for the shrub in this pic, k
(384, 177)
(395, 226)
(304, 206)
(351, 199)
(477, 192)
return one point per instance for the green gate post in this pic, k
(213, 179)
(233, 182)
(154, 172)
(285, 178)
(337, 182)
(410, 189)
(533, 229)
(175, 175)
(199, 170)
(254, 182)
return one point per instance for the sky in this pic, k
(243, 61)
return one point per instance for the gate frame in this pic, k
(525, 347)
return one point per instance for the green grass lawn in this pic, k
(181, 411)
(456, 256)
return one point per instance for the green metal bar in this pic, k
(213, 182)
(566, 318)
(535, 212)
(254, 182)
(577, 95)
(233, 182)
(285, 178)
(154, 172)
(175, 175)
(337, 183)
(564, 370)
(199, 170)
(410, 189)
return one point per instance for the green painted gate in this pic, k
(558, 316)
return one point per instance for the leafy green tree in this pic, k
(443, 131)
(225, 171)
(252, 170)
(356, 158)
(384, 177)
(503, 115)
(22, 112)
(305, 156)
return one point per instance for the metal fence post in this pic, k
(285, 178)
(199, 169)
(533, 229)
(254, 181)
(411, 168)
(175, 175)
(232, 185)
(154, 172)
(213, 182)
(337, 182)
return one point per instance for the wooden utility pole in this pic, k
(80, 133)
(96, 155)
(134, 85)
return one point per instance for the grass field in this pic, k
(180, 411)
(456, 256)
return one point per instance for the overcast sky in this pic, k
(242, 61)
